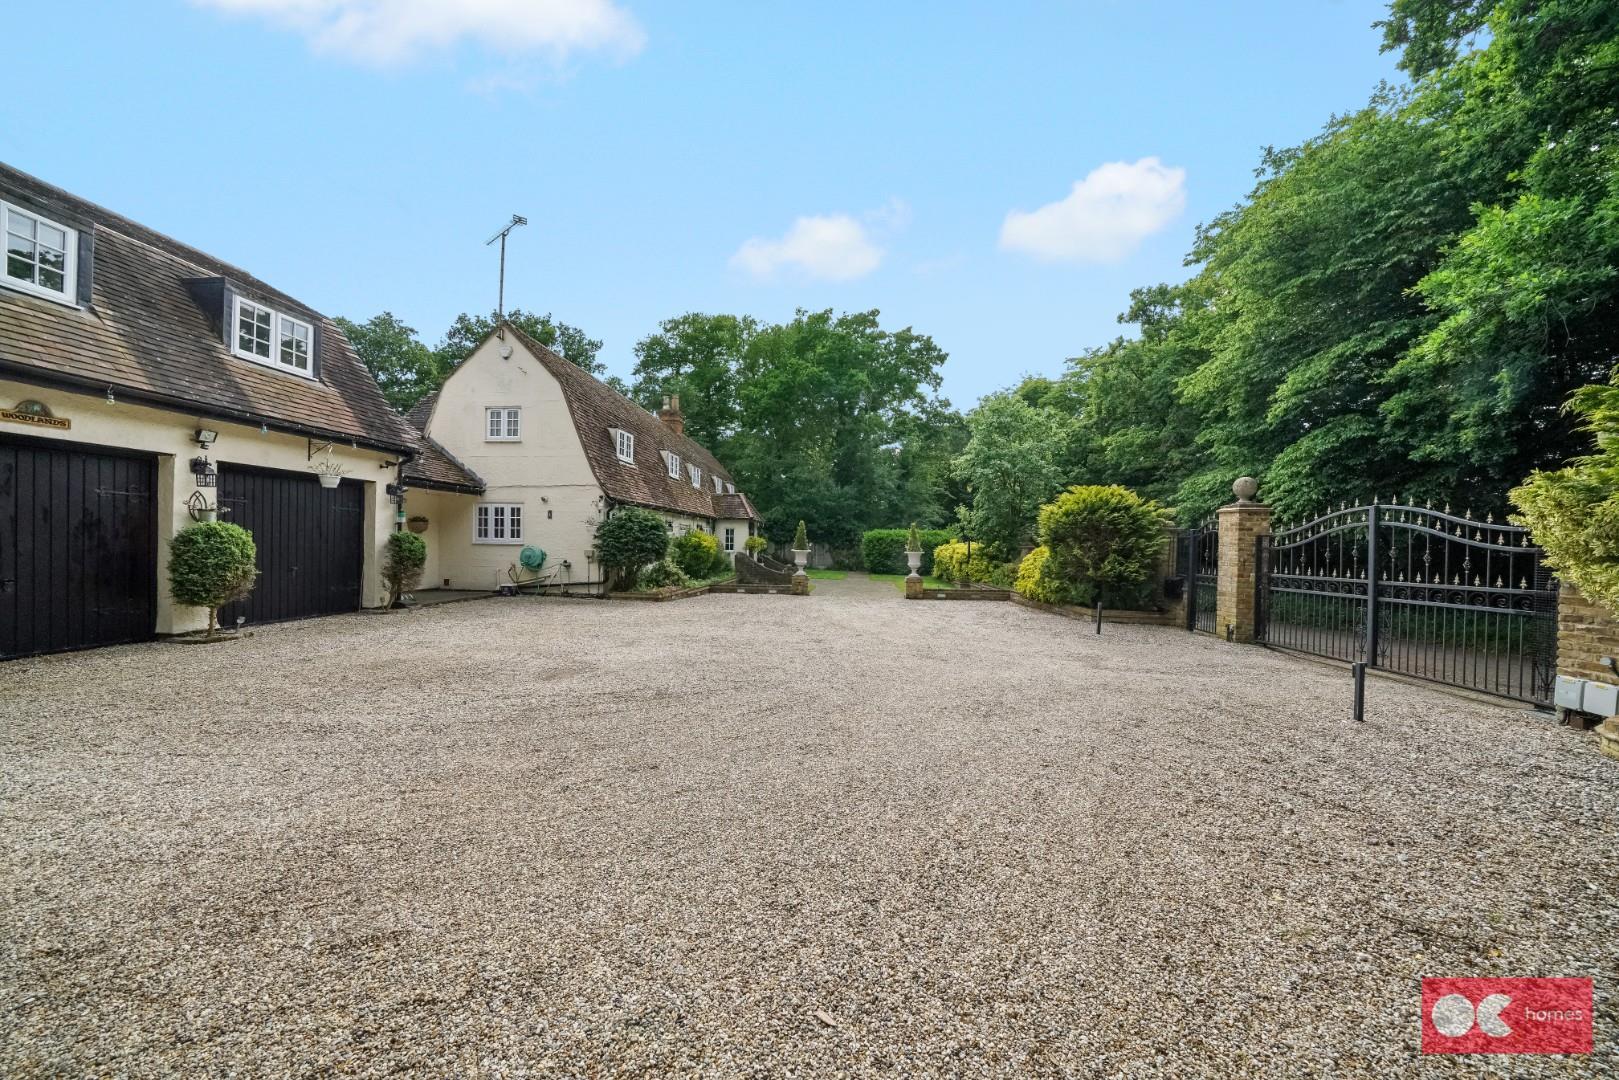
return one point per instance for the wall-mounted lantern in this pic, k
(203, 470)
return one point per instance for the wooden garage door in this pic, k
(78, 547)
(311, 542)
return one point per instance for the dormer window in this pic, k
(730, 488)
(41, 256)
(624, 444)
(696, 475)
(268, 337)
(717, 485)
(673, 463)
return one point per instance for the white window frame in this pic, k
(509, 415)
(673, 461)
(624, 445)
(70, 257)
(719, 485)
(277, 319)
(730, 488)
(730, 538)
(491, 517)
(696, 475)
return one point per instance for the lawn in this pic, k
(826, 575)
(898, 581)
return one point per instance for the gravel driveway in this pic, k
(764, 836)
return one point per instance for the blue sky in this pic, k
(739, 157)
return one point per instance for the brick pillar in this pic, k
(1241, 524)
(913, 587)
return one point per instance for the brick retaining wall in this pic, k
(1586, 632)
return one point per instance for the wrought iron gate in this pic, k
(1417, 591)
(1202, 554)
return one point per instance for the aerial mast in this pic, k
(500, 303)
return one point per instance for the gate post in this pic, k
(1241, 524)
(1372, 555)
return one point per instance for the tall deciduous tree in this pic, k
(569, 342)
(405, 369)
(1011, 465)
(698, 357)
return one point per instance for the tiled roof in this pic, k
(597, 409)
(433, 466)
(735, 506)
(144, 333)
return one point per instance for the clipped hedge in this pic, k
(950, 562)
(211, 564)
(402, 564)
(882, 551)
(697, 553)
(1037, 579)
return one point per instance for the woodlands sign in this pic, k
(36, 413)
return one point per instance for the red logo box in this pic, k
(1507, 1016)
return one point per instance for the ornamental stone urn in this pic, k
(801, 559)
(914, 560)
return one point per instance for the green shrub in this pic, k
(211, 564)
(1102, 538)
(882, 551)
(664, 574)
(697, 553)
(1037, 580)
(1573, 512)
(402, 564)
(630, 539)
(950, 562)
(1004, 576)
(801, 537)
(755, 544)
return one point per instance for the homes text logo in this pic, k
(1507, 1016)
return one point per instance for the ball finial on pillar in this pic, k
(1245, 488)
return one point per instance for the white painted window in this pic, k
(41, 256)
(503, 424)
(673, 461)
(696, 475)
(730, 539)
(498, 523)
(266, 336)
(719, 485)
(730, 488)
(624, 443)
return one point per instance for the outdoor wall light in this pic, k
(205, 437)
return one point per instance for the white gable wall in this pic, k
(544, 471)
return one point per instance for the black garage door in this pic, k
(78, 547)
(311, 542)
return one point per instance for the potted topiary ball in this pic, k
(913, 551)
(801, 548)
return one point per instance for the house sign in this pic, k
(36, 413)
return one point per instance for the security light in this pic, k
(205, 437)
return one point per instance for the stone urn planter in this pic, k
(914, 560)
(801, 558)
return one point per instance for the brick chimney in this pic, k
(671, 416)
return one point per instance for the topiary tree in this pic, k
(211, 564)
(1106, 539)
(1573, 512)
(913, 539)
(402, 564)
(801, 537)
(697, 553)
(628, 540)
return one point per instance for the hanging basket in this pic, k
(329, 479)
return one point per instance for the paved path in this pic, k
(754, 835)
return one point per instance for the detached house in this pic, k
(523, 449)
(145, 385)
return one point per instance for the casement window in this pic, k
(719, 485)
(41, 256)
(696, 475)
(730, 539)
(730, 488)
(498, 523)
(624, 445)
(673, 462)
(502, 424)
(268, 337)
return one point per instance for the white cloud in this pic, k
(1104, 218)
(384, 32)
(834, 246)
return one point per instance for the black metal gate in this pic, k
(310, 540)
(1417, 591)
(1201, 548)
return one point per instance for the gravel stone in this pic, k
(848, 835)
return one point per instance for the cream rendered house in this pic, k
(531, 451)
